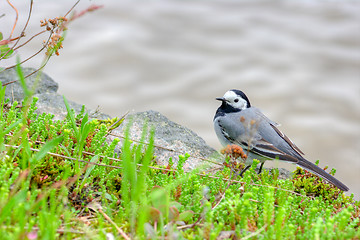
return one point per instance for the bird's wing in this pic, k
(288, 140)
(268, 131)
(268, 150)
(250, 129)
(253, 131)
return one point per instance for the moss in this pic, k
(48, 179)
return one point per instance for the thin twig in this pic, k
(41, 67)
(13, 28)
(155, 168)
(121, 232)
(223, 194)
(112, 127)
(41, 49)
(61, 29)
(60, 230)
(188, 226)
(93, 163)
(97, 207)
(16, 18)
(167, 149)
(43, 31)
(255, 233)
(22, 32)
(221, 198)
(254, 184)
(83, 12)
(9, 83)
(72, 8)
(33, 72)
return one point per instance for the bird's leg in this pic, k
(262, 164)
(244, 170)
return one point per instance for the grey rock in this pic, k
(171, 140)
(54, 103)
(41, 83)
(45, 90)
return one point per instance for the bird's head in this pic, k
(235, 99)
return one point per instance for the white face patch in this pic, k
(235, 100)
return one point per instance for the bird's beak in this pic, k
(220, 99)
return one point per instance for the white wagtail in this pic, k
(237, 122)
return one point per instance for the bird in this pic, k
(236, 122)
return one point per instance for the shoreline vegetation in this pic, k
(64, 179)
(67, 173)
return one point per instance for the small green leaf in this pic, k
(88, 171)
(186, 216)
(27, 92)
(5, 51)
(47, 148)
(72, 118)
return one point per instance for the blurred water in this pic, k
(298, 61)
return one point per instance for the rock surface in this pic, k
(14, 91)
(45, 89)
(171, 139)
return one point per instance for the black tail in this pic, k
(321, 173)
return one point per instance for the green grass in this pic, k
(62, 180)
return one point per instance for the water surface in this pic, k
(298, 61)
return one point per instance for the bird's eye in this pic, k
(236, 100)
